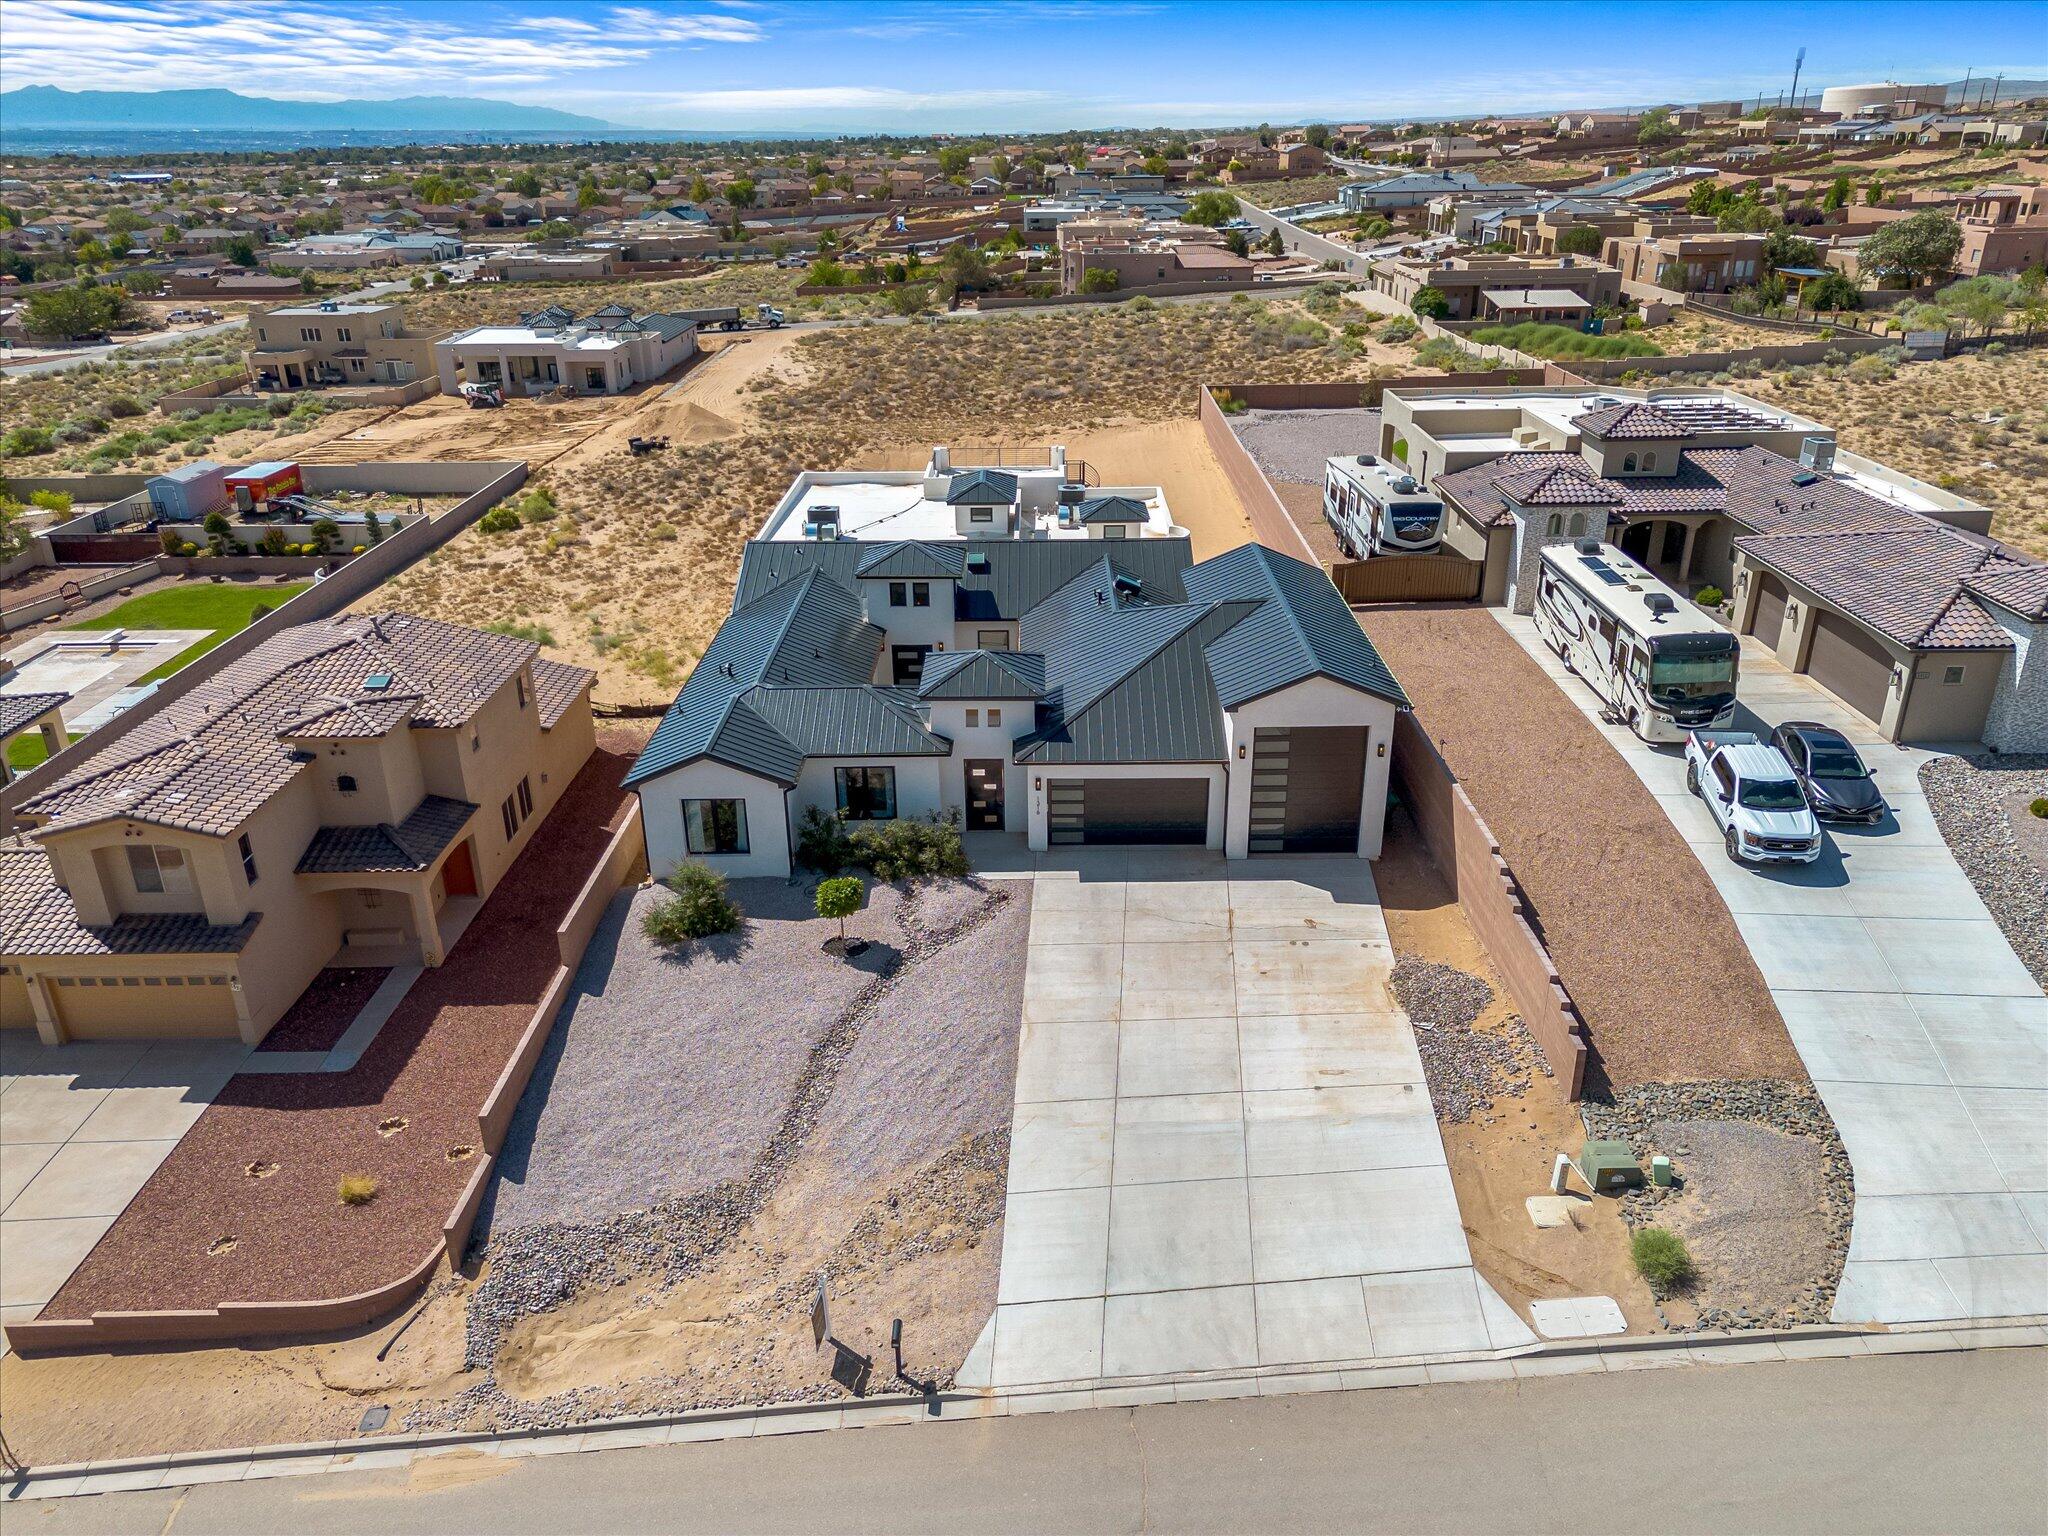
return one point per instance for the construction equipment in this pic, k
(768, 315)
(483, 396)
(645, 445)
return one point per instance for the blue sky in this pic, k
(1024, 65)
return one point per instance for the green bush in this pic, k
(499, 520)
(909, 848)
(1710, 597)
(2039, 806)
(1540, 340)
(1433, 303)
(822, 843)
(1099, 280)
(537, 506)
(696, 907)
(839, 898)
(25, 440)
(1660, 1257)
(1398, 330)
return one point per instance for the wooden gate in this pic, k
(1407, 579)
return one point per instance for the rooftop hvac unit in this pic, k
(1659, 603)
(1589, 546)
(1406, 484)
(823, 524)
(1367, 460)
(1073, 495)
(1817, 453)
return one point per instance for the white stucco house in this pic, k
(1026, 674)
(608, 350)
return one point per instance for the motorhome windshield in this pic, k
(1681, 679)
(1772, 795)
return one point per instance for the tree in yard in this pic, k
(740, 193)
(1655, 128)
(65, 314)
(1919, 249)
(526, 184)
(1873, 193)
(954, 158)
(588, 193)
(1981, 304)
(1317, 134)
(1579, 240)
(1211, 208)
(2033, 311)
(1236, 167)
(839, 898)
(1273, 245)
(1235, 242)
(1155, 165)
(1431, 303)
(1782, 248)
(1835, 291)
(241, 251)
(1839, 191)
(700, 189)
(999, 167)
(1099, 280)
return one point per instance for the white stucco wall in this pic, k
(661, 818)
(917, 785)
(984, 741)
(932, 626)
(1318, 701)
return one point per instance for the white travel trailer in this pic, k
(1378, 508)
(1660, 664)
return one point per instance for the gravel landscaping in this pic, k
(1981, 805)
(1293, 445)
(318, 1020)
(1641, 938)
(795, 1112)
(1763, 1196)
(1467, 1069)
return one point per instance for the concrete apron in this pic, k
(1926, 1037)
(385, 1452)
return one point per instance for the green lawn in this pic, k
(26, 752)
(227, 608)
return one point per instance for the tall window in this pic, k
(867, 794)
(248, 858)
(517, 807)
(899, 594)
(715, 826)
(920, 594)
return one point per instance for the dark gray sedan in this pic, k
(1837, 785)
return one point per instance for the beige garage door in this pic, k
(1770, 609)
(184, 1006)
(1850, 664)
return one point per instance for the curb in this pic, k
(1562, 1358)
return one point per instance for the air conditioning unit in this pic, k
(823, 524)
(1817, 453)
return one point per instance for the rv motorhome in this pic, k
(1659, 664)
(1378, 508)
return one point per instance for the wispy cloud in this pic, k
(310, 50)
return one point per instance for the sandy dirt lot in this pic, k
(1499, 1158)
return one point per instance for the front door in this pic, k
(985, 794)
(906, 664)
(458, 874)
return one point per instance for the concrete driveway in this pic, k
(1926, 1036)
(1223, 1154)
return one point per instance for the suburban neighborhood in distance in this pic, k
(701, 745)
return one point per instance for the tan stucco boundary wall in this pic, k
(1463, 849)
(486, 484)
(624, 863)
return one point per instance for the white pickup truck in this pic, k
(1751, 793)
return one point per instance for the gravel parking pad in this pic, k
(1292, 445)
(1980, 805)
(1644, 943)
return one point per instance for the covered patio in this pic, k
(403, 894)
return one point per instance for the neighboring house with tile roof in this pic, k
(347, 793)
(1885, 589)
(606, 351)
(21, 713)
(1060, 689)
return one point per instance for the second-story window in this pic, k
(156, 870)
(248, 853)
(519, 686)
(345, 783)
(920, 594)
(899, 594)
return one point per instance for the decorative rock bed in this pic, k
(1975, 801)
(1466, 1068)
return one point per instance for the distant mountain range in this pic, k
(46, 107)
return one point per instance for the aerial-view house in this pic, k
(1041, 657)
(348, 793)
(608, 350)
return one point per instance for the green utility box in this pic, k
(1610, 1165)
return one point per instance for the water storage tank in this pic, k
(186, 494)
(1863, 100)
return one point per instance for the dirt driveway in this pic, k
(1640, 936)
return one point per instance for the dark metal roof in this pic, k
(1110, 509)
(846, 722)
(982, 675)
(1301, 629)
(912, 558)
(1020, 574)
(805, 632)
(981, 488)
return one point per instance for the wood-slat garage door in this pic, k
(1127, 810)
(1308, 783)
(1853, 666)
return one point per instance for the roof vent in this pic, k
(1660, 604)
(377, 682)
(1129, 586)
(1588, 546)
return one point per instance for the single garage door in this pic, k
(1770, 609)
(1850, 664)
(1307, 784)
(1127, 811)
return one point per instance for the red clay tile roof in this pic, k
(207, 760)
(1633, 420)
(1905, 583)
(557, 684)
(1563, 484)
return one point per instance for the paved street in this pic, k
(1223, 1153)
(1910, 1443)
(1926, 1036)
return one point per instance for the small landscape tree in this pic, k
(1210, 208)
(1579, 240)
(1099, 280)
(1918, 249)
(1431, 303)
(839, 898)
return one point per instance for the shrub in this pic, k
(25, 440)
(910, 847)
(358, 1189)
(537, 506)
(539, 634)
(1541, 340)
(696, 907)
(1710, 597)
(124, 405)
(1228, 403)
(499, 520)
(839, 897)
(169, 540)
(822, 843)
(326, 534)
(1398, 330)
(51, 501)
(1099, 280)
(1661, 1257)
(1431, 302)
(2038, 806)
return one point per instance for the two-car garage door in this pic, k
(1106, 810)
